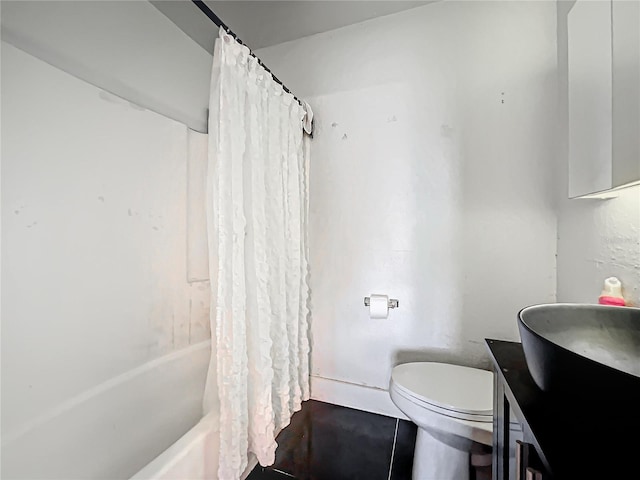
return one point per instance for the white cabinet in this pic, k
(604, 95)
(626, 91)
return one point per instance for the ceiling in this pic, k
(264, 23)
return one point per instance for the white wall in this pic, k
(96, 310)
(596, 238)
(105, 344)
(431, 181)
(128, 48)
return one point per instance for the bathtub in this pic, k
(192, 457)
(119, 427)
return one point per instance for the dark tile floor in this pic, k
(329, 442)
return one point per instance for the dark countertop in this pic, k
(572, 438)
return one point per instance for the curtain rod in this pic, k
(215, 19)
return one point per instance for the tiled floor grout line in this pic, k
(393, 450)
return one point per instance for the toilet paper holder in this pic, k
(393, 303)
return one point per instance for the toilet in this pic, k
(452, 406)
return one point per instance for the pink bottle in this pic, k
(612, 293)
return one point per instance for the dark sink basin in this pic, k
(586, 351)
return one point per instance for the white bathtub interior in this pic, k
(106, 426)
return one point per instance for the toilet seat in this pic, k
(452, 390)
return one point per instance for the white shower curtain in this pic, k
(257, 208)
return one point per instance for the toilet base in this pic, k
(435, 460)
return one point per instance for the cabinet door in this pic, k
(626, 91)
(590, 97)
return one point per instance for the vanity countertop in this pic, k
(571, 438)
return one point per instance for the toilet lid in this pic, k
(452, 387)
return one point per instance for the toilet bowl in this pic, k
(453, 409)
